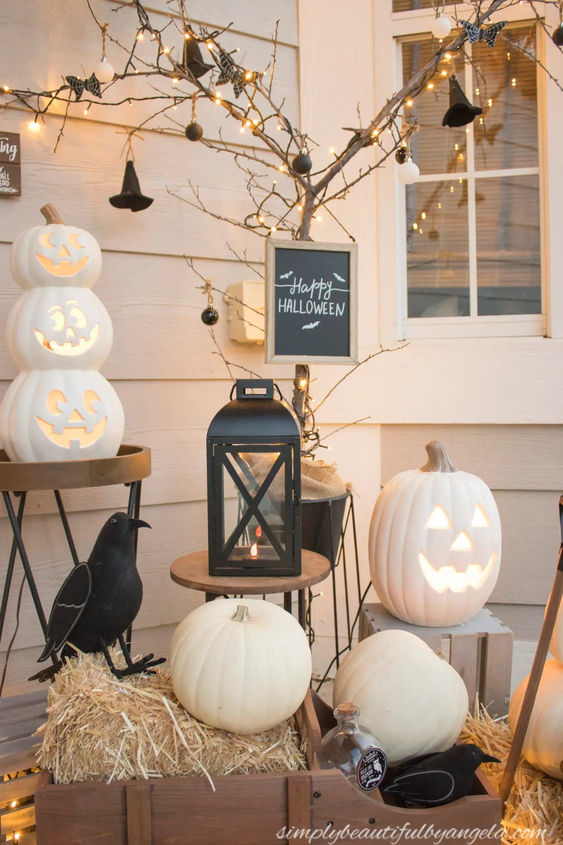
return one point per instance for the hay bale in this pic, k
(99, 728)
(536, 801)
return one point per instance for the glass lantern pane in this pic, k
(435, 149)
(504, 85)
(437, 249)
(508, 246)
(263, 535)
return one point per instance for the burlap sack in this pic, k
(319, 480)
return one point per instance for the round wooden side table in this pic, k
(129, 467)
(192, 571)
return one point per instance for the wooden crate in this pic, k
(20, 716)
(479, 649)
(245, 809)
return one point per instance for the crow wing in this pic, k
(431, 787)
(67, 608)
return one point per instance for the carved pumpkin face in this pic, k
(67, 330)
(455, 551)
(61, 253)
(55, 254)
(64, 422)
(435, 544)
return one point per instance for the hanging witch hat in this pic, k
(461, 111)
(192, 58)
(130, 196)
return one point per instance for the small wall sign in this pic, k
(311, 310)
(10, 174)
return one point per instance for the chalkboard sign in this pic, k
(310, 302)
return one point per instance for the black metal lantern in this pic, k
(254, 485)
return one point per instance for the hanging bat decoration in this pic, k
(78, 86)
(488, 34)
(229, 73)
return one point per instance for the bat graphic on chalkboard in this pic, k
(311, 325)
(286, 275)
(339, 278)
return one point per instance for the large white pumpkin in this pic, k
(243, 665)
(55, 254)
(543, 743)
(55, 415)
(409, 698)
(435, 543)
(59, 327)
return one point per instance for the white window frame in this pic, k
(417, 23)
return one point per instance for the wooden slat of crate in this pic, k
(18, 788)
(479, 649)
(17, 819)
(20, 716)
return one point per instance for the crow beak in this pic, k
(488, 759)
(137, 523)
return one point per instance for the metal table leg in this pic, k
(25, 561)
(10, 569)
(66, 527)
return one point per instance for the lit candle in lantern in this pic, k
(254, 551)
(259, 531)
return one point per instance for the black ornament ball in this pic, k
(194, 132)
(209, 316)
(301, 163)
(557, 36)
(401, 155)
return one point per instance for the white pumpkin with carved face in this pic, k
(56, 254)
(435, 543)
(54, 415)
(59, 327)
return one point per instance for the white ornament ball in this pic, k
(411, 699)
(441, 26)
(243, 665)
(103, 71)
(408, 172)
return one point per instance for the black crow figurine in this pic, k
(99, 600)
(434, 779)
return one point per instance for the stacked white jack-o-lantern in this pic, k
(59, 407)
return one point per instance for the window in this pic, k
(472, 222)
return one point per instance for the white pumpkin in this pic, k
(59, 327)
(435, 543)
(543, 743)
(556, 643)
(409, 698)
(57, 415)
(243, 665)
(55, 254)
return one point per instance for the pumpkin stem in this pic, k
(51, 214)
(438, 460)
(242, 614)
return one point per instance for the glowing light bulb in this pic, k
(273, 229)
(490, 102)
(260, 219)
(444, 73)
(430, 86)
(332, 151)
(248, 75)
(6, 88)
(439, 205)
(423, 215)
(13, 804)
(175, 80)
(33, 126)
(140, 36)
(302, 383)
(448, 56)
(209, 45)
(187, 35)
(477, 91)
(415, 226)
(456, 146)
(409, 103)
(513, 82)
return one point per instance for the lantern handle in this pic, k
(265, 386)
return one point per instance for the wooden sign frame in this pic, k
(272, 249)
